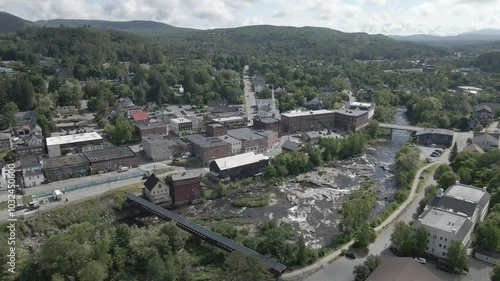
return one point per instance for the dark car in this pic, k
(20, 207)
(444, 268)
(350, 255)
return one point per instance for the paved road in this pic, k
(249, 96)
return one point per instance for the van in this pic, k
(34, 205)
(122, 169)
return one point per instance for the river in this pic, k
(310, 202)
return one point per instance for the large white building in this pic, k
(452, 215)
(62, 145)
(267, 108)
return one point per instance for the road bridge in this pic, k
(401, 127)
(210, 237)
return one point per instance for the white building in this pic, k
(267, 108)
(364, 106)
(442, 228)
(62, 145)
(157, 191)
(32, 169)
(181, 126)
(452, 215)
(231, 121)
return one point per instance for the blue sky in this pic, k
(440, 17)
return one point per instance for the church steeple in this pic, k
(273, 101)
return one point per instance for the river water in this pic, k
(310, 202)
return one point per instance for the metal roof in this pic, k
(227, 244)
(239, 160)
(73, 138)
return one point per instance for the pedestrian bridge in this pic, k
(400, 127)
(211, 237)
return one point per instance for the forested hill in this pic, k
(10, 23)
(149, 28)
(311, 41)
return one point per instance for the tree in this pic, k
(495, 274)
(456, 258)
(447, 179)
(9, 111)
(69, 93)
(121, 132)
(302, 252)
(402, 239)
(93, 271)
(487, 234)
(365, 236)
(373, 129)
(441, 169)
(245, 268)
(361, 272)
(420, 241)
(453, 152)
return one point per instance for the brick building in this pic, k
(267, 123)
(159, 148)
(351, 120)
(111, 159)
(152, 128)
(305, 121)
(66, 167)
(216, 129)
(185, 187)
(208, 148)
(181, 126)
(252, 140)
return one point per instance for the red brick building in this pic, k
(111, 159)
(216, 129)
(208, 148)
(267, 123)
(152, 128)
(185, 187)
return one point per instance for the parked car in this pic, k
(412, 145)
(350, 255)
(434, 155)
(421, 260)
(34, 205)
(20, 207)
(433, 145)
(122, 169)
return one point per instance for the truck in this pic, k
(57, 194)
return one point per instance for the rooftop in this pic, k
(401, 269)
(484, 138)
(291, 145)
(30, 162)
(158, 124)
(445, 220)
(360, 104)
(109, 154)
(73, 138)
(473, 148)
(4, 137)
(229, 139)
(268, 120)
(245, 134)
(466, 192)
(350, 112)
(64, 160)
(239, 160)
(204, 141)
(186, 175)
(296, 113)
(180, 120)
(140, 116)
(228, 119)
(151, 182)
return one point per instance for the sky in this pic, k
(390, 17)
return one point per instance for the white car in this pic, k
(421, 260)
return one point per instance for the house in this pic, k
(208, 148)
(73, 144)
(28, 129)
(290, 146)
(157, 191)
(111, 159)
(220, 106)
(451, 215)
(66, 109)
(181, 126)
(140, 116)
(66, 167)
(185, 187)
(152, 128)
(238, 166)
(159, 148)
(30, 145)
(469, 89)
(125, 102)
(401, 269)
(130, 110)
(314, 104)
(440, 137)
(32, 169)
(5, 141)
(473, 148)
(486, 141)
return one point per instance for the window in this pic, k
(441, 238)
(439, 245)
(444, 254)
(445, 239)
(444, 246)
(434, 237)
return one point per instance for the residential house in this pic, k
(157, 191)
(473, 148)
(30, 145)
(111, 159)
(140, 116)
(185, 187)
(130, 110)
(238, 166)
(125, 102)
(27, 130)
(27, 118)
(32, 169)
(314, 104)
(151, 106)
(66, 167)
(486, 141)
(5, 142)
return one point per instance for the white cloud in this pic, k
(372, 16)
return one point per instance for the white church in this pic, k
(267, 107)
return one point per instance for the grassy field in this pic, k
(252, 201)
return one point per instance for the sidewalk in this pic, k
(318, 265)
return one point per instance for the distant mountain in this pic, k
(464, 39)
(136, 26)
(10, 23)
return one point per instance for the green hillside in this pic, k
(10, 23)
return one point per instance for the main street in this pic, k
(249, 96)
